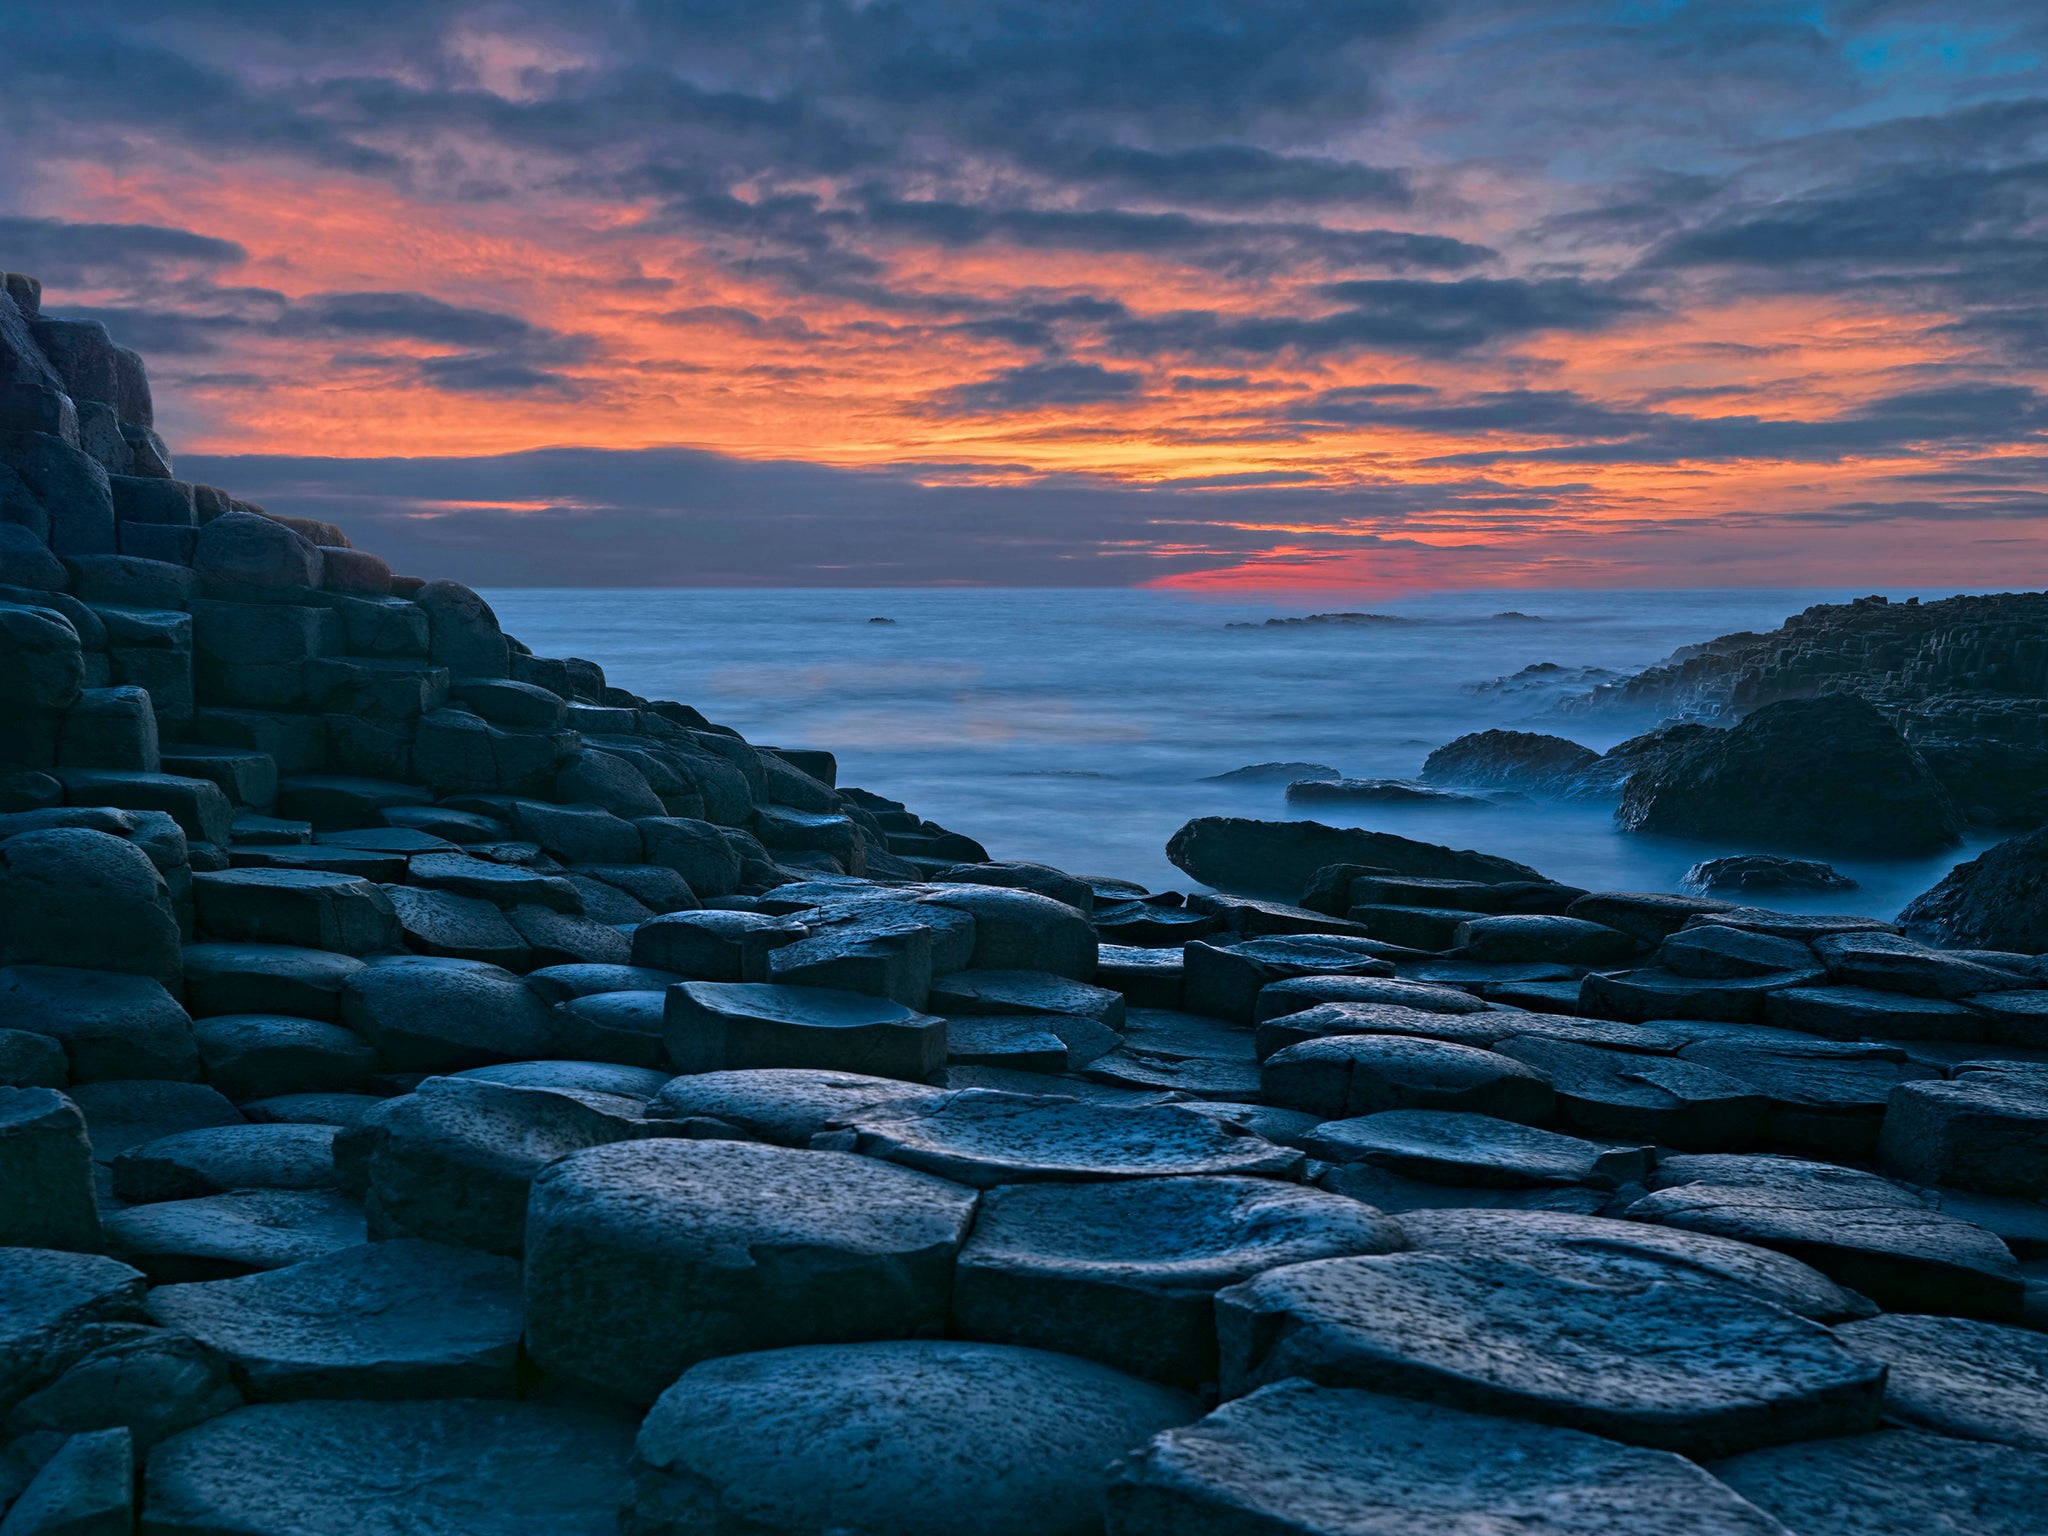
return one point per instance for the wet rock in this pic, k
(438, 1467)
(883, 960)
(1014, 1041)
(1345, 1076)
(120, 1114)
(1713, 952)
(1998, 900)
(872, 1437)
(1325, 1020)
(395, 1319)
(1441, 1147)
(564, 983)
(503, 885)
(266, 978)
(1699, 1370)
(562, 938)
(998, 992)
(1016, 930)
(1651, 993)
(1521, 760)
(612, 1079)
(151, 1382)
(86, 1489)
(1279, 858)
(46, 1184)
(1022, 875)
(624, 1027)
(981, 1138)
(1225, 979)
(1890, 963)
(426, 1014)
(1647, 917)
(111, 1026)
(1325, 1461)
(1281, 998)
(1744, 874)
(261, 1056)
(646, 1257)
(721, 1026)
(70, 896)
(221, 1235)
(1147, 977)
(1826, 773)
(1630, 1096)
(655, 887)
(785, 1105)
(453, 1160)
(1565, 940)
(1986, 1129)
(1272, 773)
(307, 908)
(1126, 1273)
(54, 1308)
(215, 1160)
(1857, 1229)
(1891, 1482)
(1864, 1013)
(1955, 1376)
(1597, 1250)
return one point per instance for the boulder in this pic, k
(54, 1310)
(1520, 760)
(1020, 874)
(1126, 1273)
(262, 1056)
(1830, 774)
(1998, 900)
(465, 637)
(785, 1105)
(1442, 1147)
(720, 1026)
(563, 938)
(246, 558)
(1746, 874)
(1512, 940)
(1279, 858)
(624, 1027)
(110, 728)
(1889, 962)
(151, 1382)
(655, 887)
(713, 945)
(1699, 1370)
(693, 849)
(1645, 916)
(396, 1319)
(266, 978)
(305, 908)
(924, 1438)
(1017, 930)
(1986, 1129)
(425, 1014)
(86, 1489)
(436, 1468)
(986, 1138)
(125, 1113)
(111, 1026)
(32, 1061)
(70, 896)
(1891, 1482)
(1344, 1076)
(1225, 978)
(1324, 1461)
(1653, 993)
(432, 922)
(216, 1160)
(46, 1183)
(646, 1257)
(885, 960)
(1956, 1376)
(217, 1236)
(1715, 952)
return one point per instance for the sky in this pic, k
(1224, 295)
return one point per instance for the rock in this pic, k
(261, 1056)
(1441, 1147)
(1345, 1076)
(646, 1257)
(786, 1105)
(73, 488)
(721, 1026)
(693, 849)
(1628, 1096)
(343, 1110)
(1804, 927)
(110, 728)
(1125, 1273)
(32, 1061)
(1322, 1461)
(111, 1026)
(25, 560)
(1954, 1376)
(54, 1308)
(1891, 1482)
(1857, 1229)
(306, 908)
(150, 1382)
(611, 1079)
(1520, 760)
(1713, 952)
(1225, 979)
(120, 1114)
(655, 887)
(1986, 1130)
(1889, 962)
(885, 960)
(1830, 773)
(433, 1468)
(246, 558)
(465, 637)
(981, 1138)
(453, 1160)
(387, 1320)
(1279, 999)
(564, 983)
(561, 938)
(1694, 1369)
(503, 885)
(216, 1160)
(1273, 773)
(1647, 917)
(1596, 1250)
(46, 1185)
(86, 1489)
(1864, 1013)
(998, 992)
(1016, 930)
(1653, 993)
(1377, 792)
(624, 1027)
(70, 896)
(1743, 874)
(1567, 940)
(606, 780)
(877, 1437)
(1998, 900)
(221, 1235)
(504, 702)
(427, 1014)
(1279, 858)
(266, 978)
(2014, 1018)
(432, 922)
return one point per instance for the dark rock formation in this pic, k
(1278, 858)
(1520, 760)
(1743, 873)
(1828, 774)
(1998, 900)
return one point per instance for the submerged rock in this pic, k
(1740, 874)
(1521, 760)
(1279, 858)
(1998, 900)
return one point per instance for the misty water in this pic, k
(1074, 727)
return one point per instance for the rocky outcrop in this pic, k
(1829, 774)
(1997, 901)
(1964, 679)
(1520, 760)
(1279, 858)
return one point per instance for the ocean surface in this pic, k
(1074, 727)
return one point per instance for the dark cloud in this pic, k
(107, 255)
(1035, 385)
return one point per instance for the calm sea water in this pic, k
(1072, 726)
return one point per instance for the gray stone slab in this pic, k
(263, 1056)
(1957, 1376)
(1343, 1076)
(1440, 1146)
(219, 1159)
(785, 1105)
(217, 1236)
(1281, 998)
(719, 1026)
(1894, 1483)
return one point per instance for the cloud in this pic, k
(1036, 385)
(85, 255)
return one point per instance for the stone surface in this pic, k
(309, 908)
(1630, 1096)
(1126, 1273)
(625, 1027)
(1998, 900)
(52, 1306)
(124, 1113)
(913, 1438)
(985, 1138)
(713, 945)
(266, 978)
(71, 896)
(725, 1026)
(1441, 1147)
(1344, 1076)
(1825, 1097)
(1509, 940)
(1986, 1129)
(996, 992)
(426, 1014)
(221, 1235)
(152, 1382)
(386, 1320)
(1225, 978)
(1890, 962)
(646, 1257)
(1302, 993)
(434, 1468)
(218, 1159)
(261, 1056)
(86, 1489)
(1279, 858)
(432, 922)
(1715, 952)
(46, 1183)
(1322, 1461)
(1744, 874)
(1699, 1370)
(785, 1105)
(1893, 1483)
(1653, 993)
(1954, 1376)
(111, 1026)
(1022, 930)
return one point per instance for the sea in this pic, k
(1077, 727)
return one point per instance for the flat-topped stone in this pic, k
(1651, 993)
(986, 1138)
(624, 1027)
(714, 945)
(982, 992)
(1439, 1146)
(1281, 998)
(1224, 976)
(1956, 1376)
(124, 1114)
(1864, 1013)
(725, 1026)
(563, 983)
(1986, 1129)
(502, 885)
(1126, 1272)
(1630, 1096)
(220, 1159)
(1889, 962)
(431, 1014)
(461, 927)
(308, 908)
(1327, 1461)
(785, 1105)
(111, 1026)
(435, 1468)
(262, 1056)
(216, 1236)
(1824, 1097)
(918, 1438)
(52, 1306)
(1694, 1369)
(394, 1319)
(612, 1078)
(646, 1257)
(266, 978)
(1344, 1076)
(1896, 1482)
